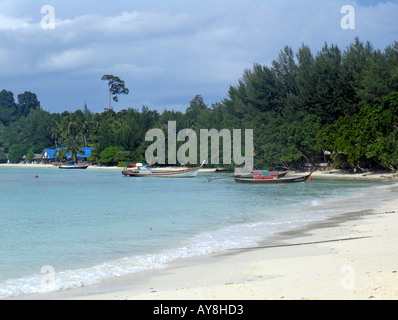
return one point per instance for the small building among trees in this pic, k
(50, 155)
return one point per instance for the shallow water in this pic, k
(89, 225)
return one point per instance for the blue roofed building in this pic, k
(49, 155)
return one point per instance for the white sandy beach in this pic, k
(335, 259)
(352, 256)
(318, 174)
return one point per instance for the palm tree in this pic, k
(72, 149)
(55, 132)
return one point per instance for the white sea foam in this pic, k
(316, 202)
(238, 236)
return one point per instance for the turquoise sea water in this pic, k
(90, 225)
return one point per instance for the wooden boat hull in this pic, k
(274, 180)
(73, 167)
(270, 175)
(186, 173)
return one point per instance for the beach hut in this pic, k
(49, 155)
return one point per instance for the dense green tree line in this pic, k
(305, 104)
(302, 104)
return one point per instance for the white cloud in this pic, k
(68, 59)
(11, 23)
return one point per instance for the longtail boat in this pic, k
(265, 176)
(181, 173)
(73, 166)
(293, 179)
(261, 174)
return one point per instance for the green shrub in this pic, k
(107, 157)
(16, 152)
(3, 156)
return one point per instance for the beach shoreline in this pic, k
(351, 256)
(316, 174)
(356, 176)
(90, 167)
(348, 256)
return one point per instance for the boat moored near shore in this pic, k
(73, 166)
(293, 179)
(138, 171)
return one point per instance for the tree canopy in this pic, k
(116, 87)
(302, 104)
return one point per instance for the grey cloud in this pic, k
(165, 51)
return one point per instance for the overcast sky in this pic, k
(166, 51)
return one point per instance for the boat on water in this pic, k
(249, 175)
(292, 179)
(138, 171)
(261, 174)
(73, 166)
